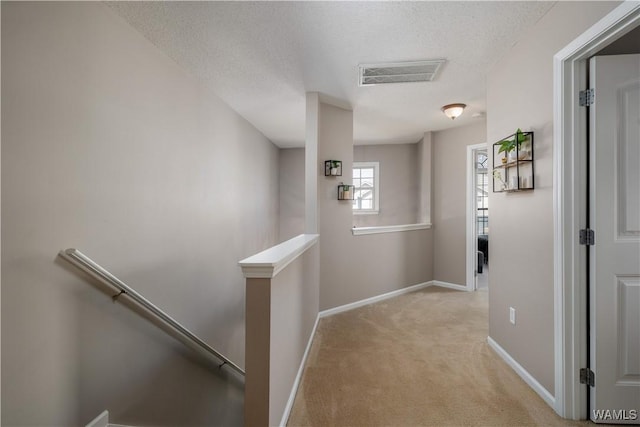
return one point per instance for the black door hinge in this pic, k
(587, 377)
(587, 237)
(587, 97)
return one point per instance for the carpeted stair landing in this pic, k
(420, 359)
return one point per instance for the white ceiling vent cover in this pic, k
(399, 72)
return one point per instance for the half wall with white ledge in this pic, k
(282, 304)
(361, 263)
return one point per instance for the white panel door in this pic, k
(615, 258)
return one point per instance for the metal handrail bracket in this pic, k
(86, 264)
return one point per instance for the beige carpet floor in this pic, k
(420, 359)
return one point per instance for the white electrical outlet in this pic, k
(512, 315)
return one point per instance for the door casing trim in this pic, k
(569, 204)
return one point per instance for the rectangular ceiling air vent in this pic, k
(399, 72)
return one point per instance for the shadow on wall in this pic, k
(186, 393)
(140, 373)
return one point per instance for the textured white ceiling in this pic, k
(261, 57)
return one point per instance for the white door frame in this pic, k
(569, 204)
(472, 255)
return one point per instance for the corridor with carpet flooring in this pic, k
(420, 359)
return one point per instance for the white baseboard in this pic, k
(296, 382)
(449, 285)
(526, 376)
(367, 301)
(101, 420)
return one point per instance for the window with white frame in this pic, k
(366, 179)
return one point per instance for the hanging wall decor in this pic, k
(346, 192)
(513, 163)
(333, 168)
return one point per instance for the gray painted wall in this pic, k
(335, 141)
(353, 268)
(399, 183)
(294, 311)
(449, 199)
(108, 146)
(281, 315)
(399, 169)
(520, 94)
(291, 178)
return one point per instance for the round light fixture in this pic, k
(453, 110)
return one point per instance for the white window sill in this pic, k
(366, 212)
(359, 231)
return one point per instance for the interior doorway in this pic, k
(477, 218)
(570, 204)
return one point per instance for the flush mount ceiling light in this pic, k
(453, 110)
(399, 72)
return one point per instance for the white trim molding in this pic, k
(452, 286)
(569, 204)
(359, 231)
(526, 376)
(367, 301)
(268, 263)
(398, 292)
(366, 212)
(296, 381)
(102, 420)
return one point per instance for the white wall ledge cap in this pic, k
(359, 231)
(270, 262)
